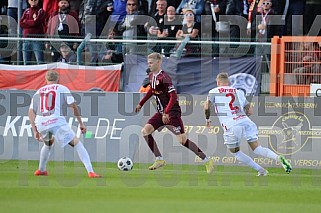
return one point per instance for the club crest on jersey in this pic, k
(157, 82)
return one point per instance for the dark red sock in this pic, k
(152, 145)
(194, 148)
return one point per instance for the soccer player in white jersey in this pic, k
(232, 109)
(48, 122)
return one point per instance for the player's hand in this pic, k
(208, 123)
(83, 129)
(37, 136)
(138, 108)
(165, 118)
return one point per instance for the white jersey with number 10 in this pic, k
(47, 104)
(229, 105)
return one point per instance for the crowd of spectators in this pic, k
(144, 19)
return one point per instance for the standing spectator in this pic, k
(233, 109)
(133, 28)
(196, 5)
(48, 123)
(12, 11)
(293, 15)
(119, 12)
(63, 23)
(168, 113)
(169, 30)
(111, 52)
(32, 23)
(152, 8)
(238, 25)
(191, 29)
(219, 9)
(159, 17)
(90, 17)
(254, 9)
(265, 28)
(67, 55)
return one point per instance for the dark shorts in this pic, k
(175, 122)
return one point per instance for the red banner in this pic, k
(77, 78)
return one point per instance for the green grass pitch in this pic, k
(173, 188)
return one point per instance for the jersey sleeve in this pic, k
(211, 96)
(68, 96)
(168, 85)
(242, 99)
(34, 102)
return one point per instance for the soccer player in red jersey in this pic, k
(168, 113)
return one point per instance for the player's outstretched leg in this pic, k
(209, 163)
(247, 160)
(85, 159)
(285, 164)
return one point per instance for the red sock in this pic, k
(194, 148)
(152, 145)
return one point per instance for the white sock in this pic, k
(84, 156)
(245, 159)
(44, 157)
(159, 158)
(266, 152)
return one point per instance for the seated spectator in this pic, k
(309, 72)
(192, 29)
(111, 52)
(32, 22)
(67, 55)
(197, 6)
(168, 31)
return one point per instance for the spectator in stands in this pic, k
(219, 9)
(169, 30)
(63, 23)
(309, 72)
(67, 55)
(192, 29)
(238, 26)
(12, 11)
(197, 6)
(152, 10)
(159, 17)
(93, 11)
(265, 27)
(254, 9)
(119, 12)
(111, 52)
(293, 9)
(133, 28)
(32, 22)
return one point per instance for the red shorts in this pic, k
(175, 124)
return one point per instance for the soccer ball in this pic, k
(125, 164)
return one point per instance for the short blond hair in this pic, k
(223, 77)
(52, 75)
(155, 56)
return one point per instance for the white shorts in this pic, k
(63, 134)
(233, 136)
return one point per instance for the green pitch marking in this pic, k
(88, 134)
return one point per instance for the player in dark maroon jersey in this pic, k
(168, 113)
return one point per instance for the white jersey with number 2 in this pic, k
(47, 103)
(229, 105)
